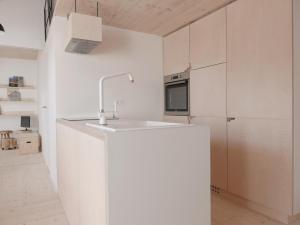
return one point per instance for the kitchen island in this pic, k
(134, 173)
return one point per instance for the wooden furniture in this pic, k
(260, 97)
(176, 52)
(259, 93)
(6, 142)
(207, 82)
(18, 52)
(16, 88)
(208, 40)
(5, 134)
(28, 141)
(296, 105)
(208, 107)
(208, 91)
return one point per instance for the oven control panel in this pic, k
(177, 77)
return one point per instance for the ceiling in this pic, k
(159, 17)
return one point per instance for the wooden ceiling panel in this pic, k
(159, 17)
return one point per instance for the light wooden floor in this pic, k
(225, 212)
(26, 194)
(27, 197)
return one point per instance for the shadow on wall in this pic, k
(111, 42)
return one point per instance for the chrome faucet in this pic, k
(102, 118)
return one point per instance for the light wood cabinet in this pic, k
(296, 68)
(208, 107)
(219, 153)
(176, 51)
(208, 91)
(260, 59)
(208, 40)
(81, 177)
(242, 67)
(68, 173)
(92, 181)
(260, 160)
(176, 119)
(260, 97)
(28, 141)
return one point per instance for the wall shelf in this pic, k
(18, 113)
(18, 53)
(17, 88)
(22, 100)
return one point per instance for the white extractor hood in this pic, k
(84, 33)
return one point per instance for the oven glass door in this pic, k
(177, 97)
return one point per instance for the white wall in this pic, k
(121, 51)
(296, 13)
(73, 90)
(47, 111)
(23, 23)
(27, 69)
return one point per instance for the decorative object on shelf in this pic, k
(16, 81)
(13, 95)
(2, 30)
(6, 142)
(25, 122)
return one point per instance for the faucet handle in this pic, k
(116, 103)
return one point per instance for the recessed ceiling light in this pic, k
(2, 31)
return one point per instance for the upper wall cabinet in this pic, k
(176, 51)
(208, 40)
(260, 59)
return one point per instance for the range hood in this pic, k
(84, 33)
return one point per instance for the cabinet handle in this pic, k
(229, 119)
(28, 142)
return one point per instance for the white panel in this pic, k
(159, 177)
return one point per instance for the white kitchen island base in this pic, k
(139, 177)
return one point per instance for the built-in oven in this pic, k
(177, 94)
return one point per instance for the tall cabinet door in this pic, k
(68, 173)
(208, 40)
(260, 59)
(176, 51)
(259, 84)
(208, 107)
(260, 162)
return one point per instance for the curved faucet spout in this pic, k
(101, 93)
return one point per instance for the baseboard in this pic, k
(270, 213)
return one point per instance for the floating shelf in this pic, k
(22, 100)
(18, 113)
(18, 53)
(17, 88)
